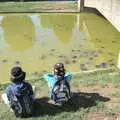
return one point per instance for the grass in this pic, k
(96, 78)
(87, 99)
(43, 6)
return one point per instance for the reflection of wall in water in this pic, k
(2, 42)
(62, 25)
(19, 32)
(109, 8)
(102, 34)
(118, 63)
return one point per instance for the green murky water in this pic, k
(37, 41)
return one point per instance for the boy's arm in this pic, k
(68, 76)
(47, 76)
(8, 92)
(50, 79)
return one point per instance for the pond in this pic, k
(36, 42)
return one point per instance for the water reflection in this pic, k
(104, 37)
(61, 24)
(2, 43)
(81, 41)
(19, 32)
(36, 21)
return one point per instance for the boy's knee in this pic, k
(34, 88)
(5, 98)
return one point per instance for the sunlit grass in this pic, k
(42, 6)
(82, 103)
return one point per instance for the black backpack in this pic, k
(61, 91)
(22, 105)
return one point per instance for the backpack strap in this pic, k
(53, 96)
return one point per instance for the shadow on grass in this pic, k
(79, 100)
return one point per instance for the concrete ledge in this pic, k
(110, 9)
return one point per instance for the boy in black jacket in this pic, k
(19, 95)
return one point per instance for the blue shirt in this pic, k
(19, 89)
(51, 79)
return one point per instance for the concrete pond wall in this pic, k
(110, 9)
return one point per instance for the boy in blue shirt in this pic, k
(59, 74)
(18, 88)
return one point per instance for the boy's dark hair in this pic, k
(59, 69)
(17, 74)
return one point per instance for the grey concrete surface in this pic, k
(110, 9)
